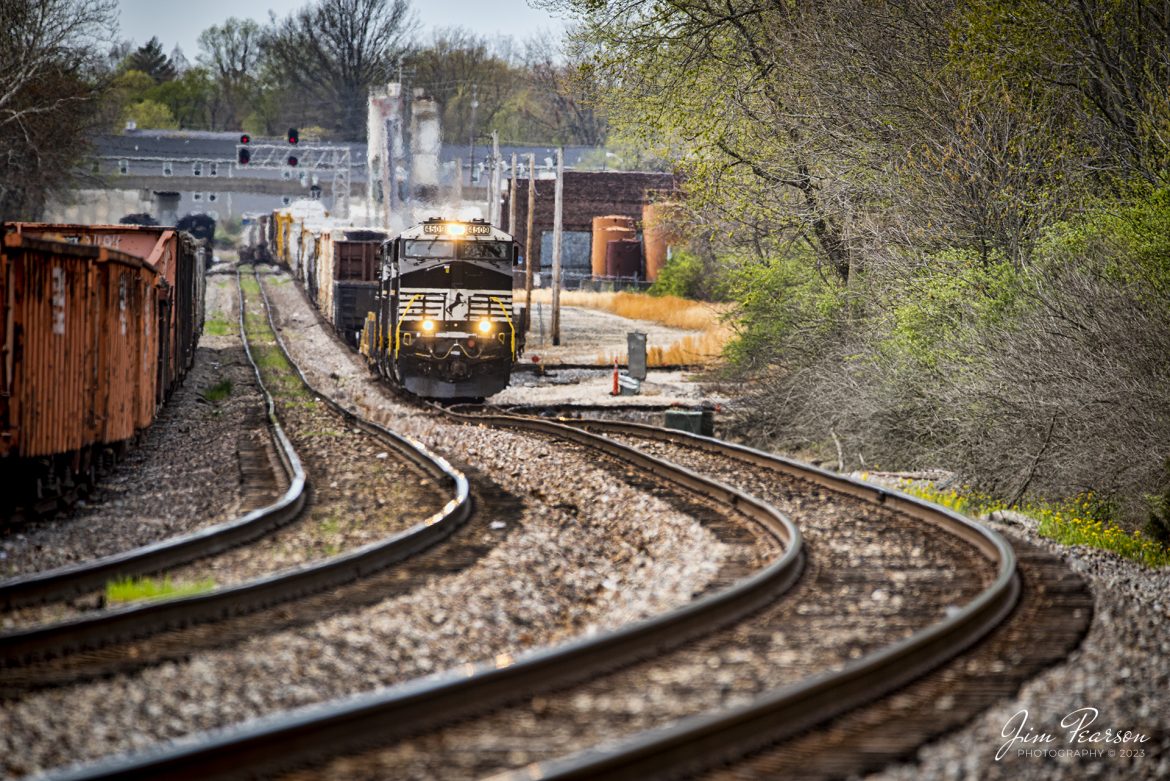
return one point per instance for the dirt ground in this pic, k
(590, 334)
(587, 335)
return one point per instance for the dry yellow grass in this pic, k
(704, 348)
(667, 310)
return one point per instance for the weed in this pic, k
(218, 327)
(705, 347)
(218, 392)
(1082, 520)
(133, 589)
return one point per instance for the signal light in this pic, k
(245, 156)
(292, 161)
(293, 136)
(245, 139)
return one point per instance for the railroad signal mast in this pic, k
(313, 157)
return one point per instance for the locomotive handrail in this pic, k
(510, 326)
(398, 325)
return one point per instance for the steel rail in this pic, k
(36, 642)
(61, 582)
(703, 741)
(307, 733)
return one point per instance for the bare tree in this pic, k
(48, 91)
(231, 52)
(331, 53)
(459, 67)
(565, 94)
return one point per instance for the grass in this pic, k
(218, 392)
(1076, 521)
(667, 310)
(279, 375)
(133, 589)
(704, 348)
(218, 327)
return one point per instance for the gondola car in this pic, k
(444, 326)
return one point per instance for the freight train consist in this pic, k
(98, 324)
(431, 308)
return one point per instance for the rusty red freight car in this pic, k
(176, 256)
(79, 358)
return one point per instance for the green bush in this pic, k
(684, 276)
(786, 309)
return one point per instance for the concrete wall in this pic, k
(98, 207)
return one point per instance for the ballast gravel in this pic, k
(588, 553)
(1119, 679)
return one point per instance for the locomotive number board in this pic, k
(457, 229)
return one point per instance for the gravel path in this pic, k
(153, 494)
(1120, 670)
(588, 552)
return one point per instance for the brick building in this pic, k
(588, 194)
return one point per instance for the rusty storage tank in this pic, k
(602, 235)
(660, 231)
(623, 258)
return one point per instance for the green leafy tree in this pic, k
(150, 114)
(190, 98)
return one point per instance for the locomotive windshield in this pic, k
(485, 250)
(429, 248)
(467, 250)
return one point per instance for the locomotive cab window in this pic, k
(484, 250)
(428, 248)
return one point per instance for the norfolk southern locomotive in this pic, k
(445, 327)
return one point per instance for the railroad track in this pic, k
(759, 690)
(542, 681)
(27, 647)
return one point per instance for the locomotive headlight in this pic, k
(485, 326)
(428, 325)
(456, 230)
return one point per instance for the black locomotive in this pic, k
(444, 325)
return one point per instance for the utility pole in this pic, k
(558, 229)
(512, 200)
(494, 189)
(471, 143)
(528, 236)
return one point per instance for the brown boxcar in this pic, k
(177, 257)
(345, 255)
(79, 352)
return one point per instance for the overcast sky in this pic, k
(181, 21)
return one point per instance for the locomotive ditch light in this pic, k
(428, 325)
(485, 326)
